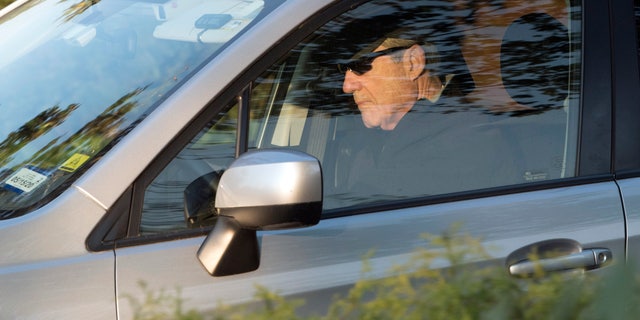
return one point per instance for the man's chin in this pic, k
(385, 126)
(370, 124)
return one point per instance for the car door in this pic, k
(522, 154)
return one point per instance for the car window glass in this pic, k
(77, 75)
(206, 156)
(495, 105)
(494, 102)
(211, 151)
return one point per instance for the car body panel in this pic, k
(329, 256)
(47, 271)
(631, 194)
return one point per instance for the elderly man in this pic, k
(392, 74)
(421, 136)
(387, 82)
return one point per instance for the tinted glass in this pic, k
(182, 195)
(403, 101)
(636, 11)
(494, 103)
(209, 152)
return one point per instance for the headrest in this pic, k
(534, 60)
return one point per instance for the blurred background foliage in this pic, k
(415, 290)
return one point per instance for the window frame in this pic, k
(625, 89)
(118, 226)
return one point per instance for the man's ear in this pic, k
(414, 61)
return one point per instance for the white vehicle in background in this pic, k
(201, 145)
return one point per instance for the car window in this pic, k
(495, 105)
(209, 152)
(410, 100)
(198, 166)
(83, 74)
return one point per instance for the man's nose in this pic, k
(351, 82)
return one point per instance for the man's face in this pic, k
(385, 93)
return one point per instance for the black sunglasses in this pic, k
(362, 65)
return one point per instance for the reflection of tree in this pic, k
(431, 24)
(33, 129)
(91, 138)
(78, 8)
(94, 135)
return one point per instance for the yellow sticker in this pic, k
(75, 162)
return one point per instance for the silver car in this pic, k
(215, 145)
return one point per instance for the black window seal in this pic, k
(113, 225)
(242, 129)
(467, 195)
(595, 145)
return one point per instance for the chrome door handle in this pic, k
(586, 259)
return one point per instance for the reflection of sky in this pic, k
(24, 72)
(35, 27)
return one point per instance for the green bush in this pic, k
(463, 291)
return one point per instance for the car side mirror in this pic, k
(267, 189)
(199, 198)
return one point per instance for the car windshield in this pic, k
(78, 74)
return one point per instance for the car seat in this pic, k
(534, 63)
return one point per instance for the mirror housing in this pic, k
(268, 189)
